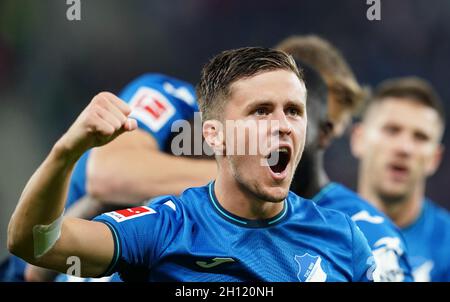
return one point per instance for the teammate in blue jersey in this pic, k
(316, 56)
(398, 145)
(248, 86)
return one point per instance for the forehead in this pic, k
(405, 112)
(269, 86)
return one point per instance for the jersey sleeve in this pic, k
(157, 102)
(363, 260)
(141, 235)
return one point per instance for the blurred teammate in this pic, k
(245, 225)
(311, 180)
(398, 145)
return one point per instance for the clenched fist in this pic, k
(105, 118)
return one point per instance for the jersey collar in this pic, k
(249, 223)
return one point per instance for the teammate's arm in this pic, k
(42, 201)
(133, 169)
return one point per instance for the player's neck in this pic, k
(310, 176)
(403, 212)
(242, 203)
(407, 212)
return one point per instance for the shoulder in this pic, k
(183, 204)
(439, 218)
(441, 215)
(343, 199)
(309, 211)
(157, 85)
(158, 102)
(372, 222)
(158, 79)
(339, 197)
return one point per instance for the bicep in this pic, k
(88, 244)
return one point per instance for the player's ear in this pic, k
(356, 143)
(214, 136)
(433, 164)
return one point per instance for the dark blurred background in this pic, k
(50, 67)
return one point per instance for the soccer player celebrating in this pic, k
(398, 145)
(245, 225)
(325, 110)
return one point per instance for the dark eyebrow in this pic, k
(297, 105)
(422, 134)
(266, 103)
(259, 103)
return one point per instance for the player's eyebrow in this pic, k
(259, 103)
(298, 105)
(268, 103)
(423, 135)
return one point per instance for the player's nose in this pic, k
(404, 145)
(281, 124)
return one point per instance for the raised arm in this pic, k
(42, 201)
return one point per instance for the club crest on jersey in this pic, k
(151, 107)
(310, 268)
(126, 214)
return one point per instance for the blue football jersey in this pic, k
(428, 240)
(385, 239)
(193, 238)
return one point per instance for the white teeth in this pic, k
(283, 149)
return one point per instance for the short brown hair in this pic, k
(232, 65)
(331, 65)
(411, 88)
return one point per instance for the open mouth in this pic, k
(278, 159)
(399, 170)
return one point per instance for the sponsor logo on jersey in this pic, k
(310, 268)
(152, 108)
(123, 215)
(214, 262)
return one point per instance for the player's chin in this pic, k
(393, 192)
(277, 194)
(396, 187)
